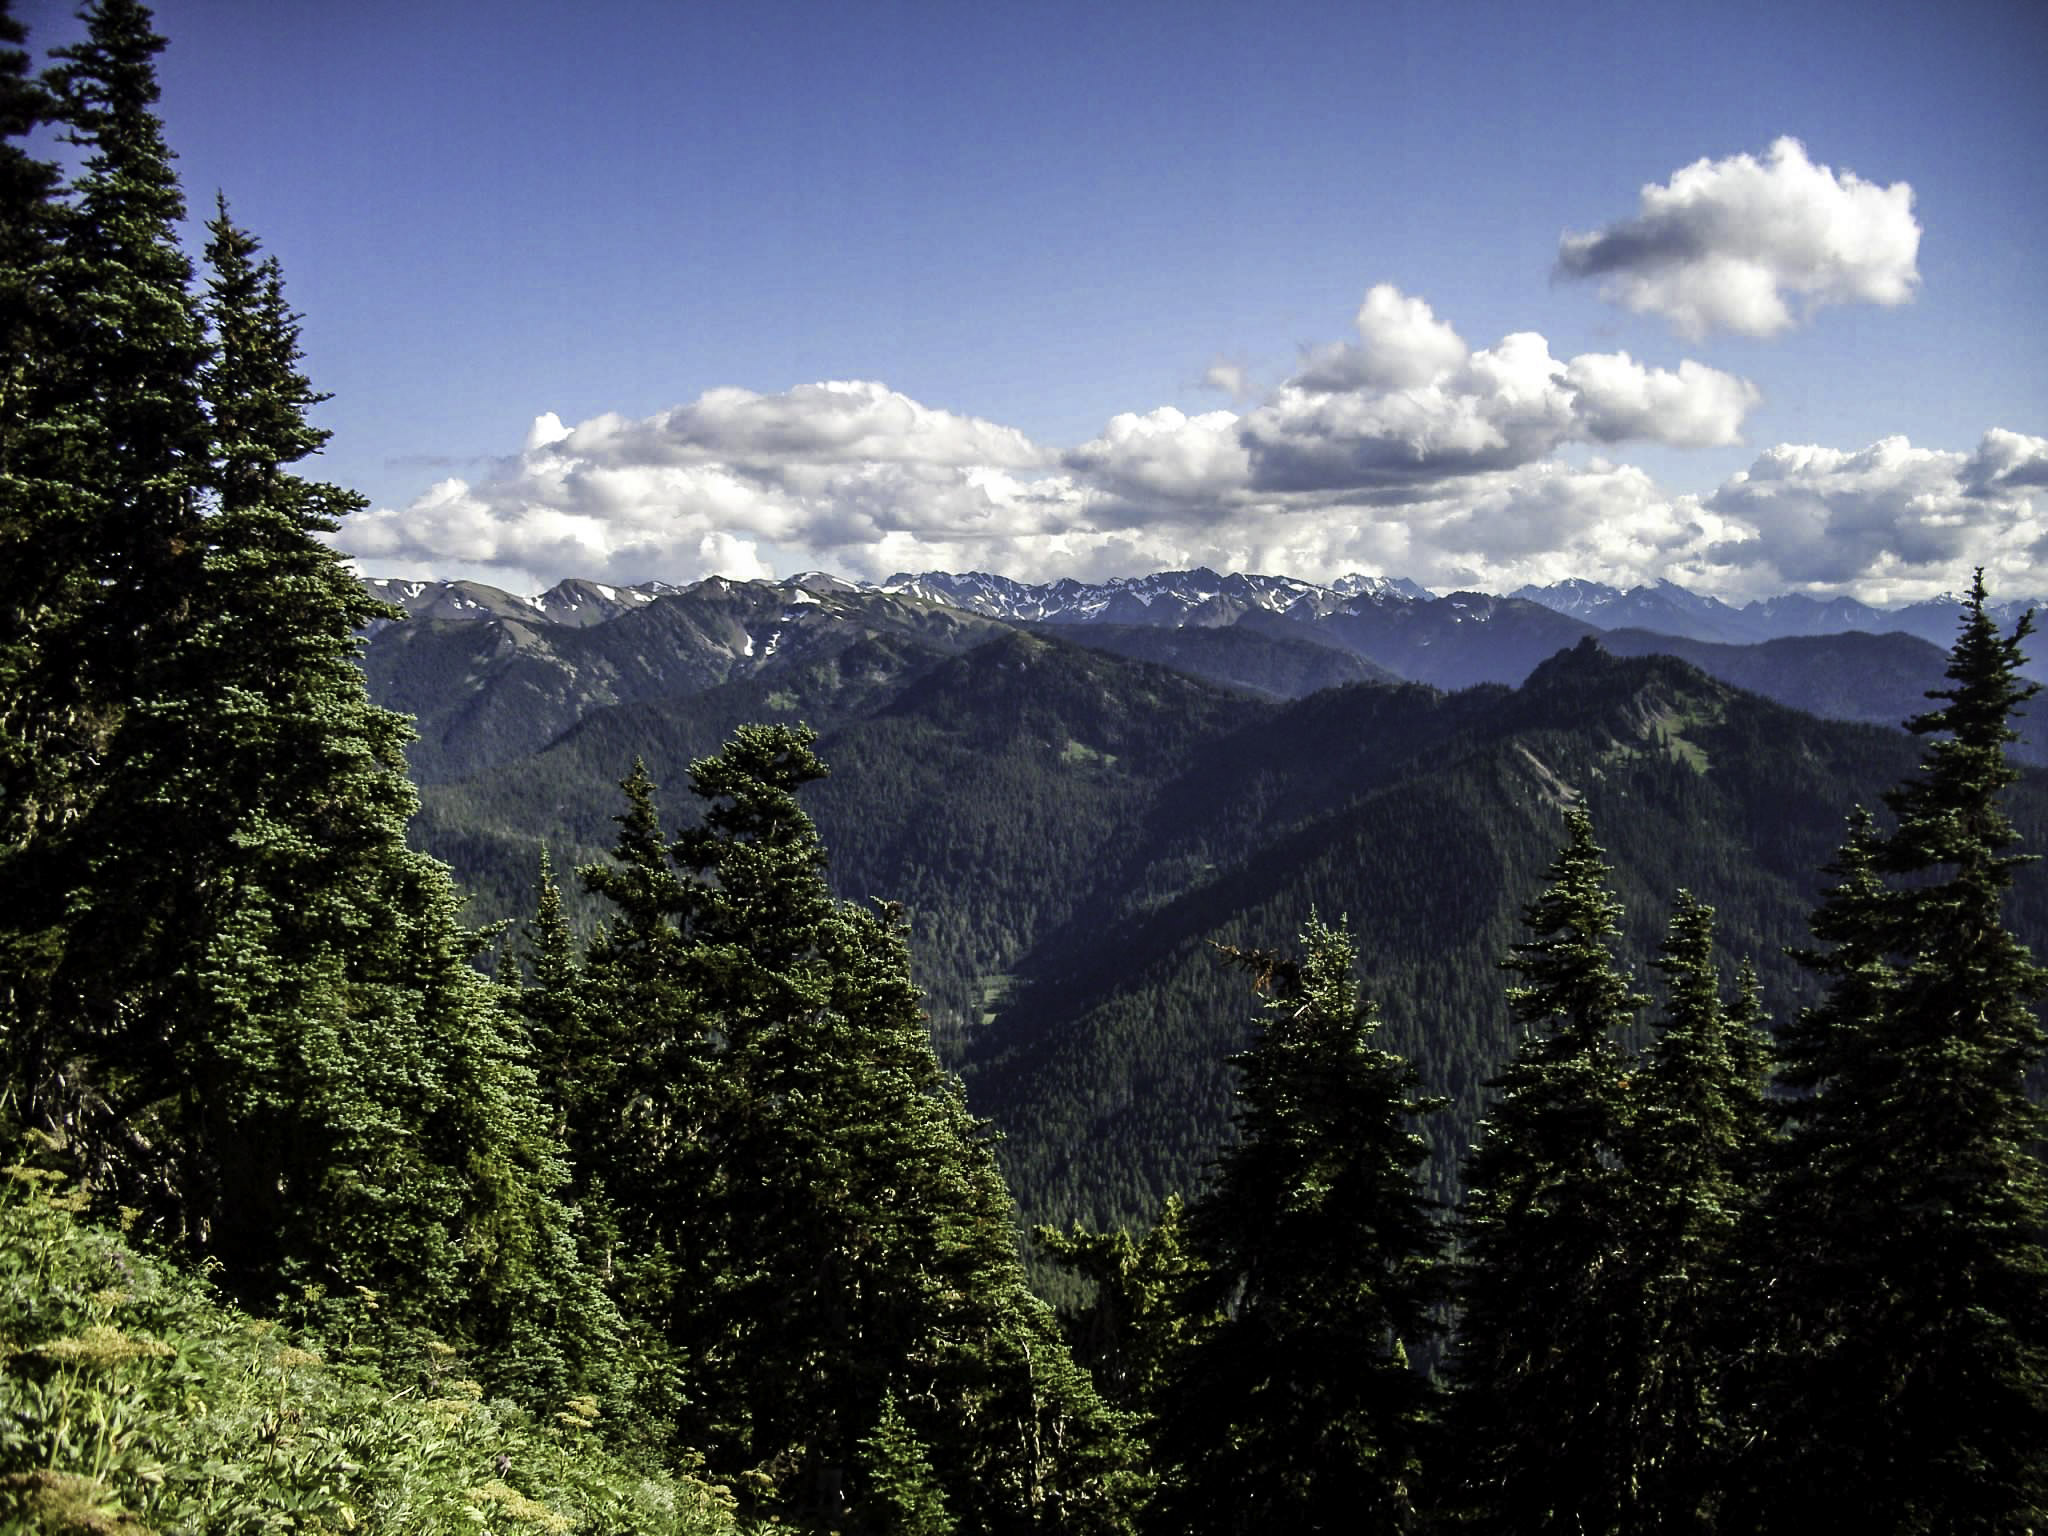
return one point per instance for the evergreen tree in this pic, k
(1137, 1324)
(1699, 1123)
(120, 554)
(102, 452)
(834, 1230)
(29, 497)
(1905, 1382)
(900, 1499)
(1547, 1347)
(257, 1020)
(553, 1002)
(635, 1088)
(1300, 1410)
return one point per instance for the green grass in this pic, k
(1081, 752)
(131, 1401)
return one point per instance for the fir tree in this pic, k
(1905, 1382)
(832, 1225)
(268, 1033)
(120, 554)
(554, 1005)
(1301, 1410)
(102, 454)
(1547, 1350)
(31, 713)
(1136, 1325)
(1690, 1158)
(900, 1499)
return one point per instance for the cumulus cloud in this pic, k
(1402, 342)
(1394, 452)
(1890, 521)
(1405, 452)
(1691, 407)
(1730, 244)
(1166, 455)
(1411, 403)
(739, 484)
(836, 422)
(2007, 462)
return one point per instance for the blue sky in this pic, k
(1013, 227)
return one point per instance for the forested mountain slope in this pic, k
(491, 677)
(1069, 831)
(488, 683)
(1107, 1069)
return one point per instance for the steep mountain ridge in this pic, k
(1070, 830)
(488, 685)
(1106, 1072)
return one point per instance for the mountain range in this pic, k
(487, 673)
(1074, 804)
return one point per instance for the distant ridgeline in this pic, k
(512, 687)
(1074, 789)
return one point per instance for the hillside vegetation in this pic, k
(1590, 1100)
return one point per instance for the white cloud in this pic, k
(739, 484)
(1411, 404)
(833, 422)
(1729, 244)
(1403, 342)
(1890, 521)
(2006, 462)
(1166, 454)
(546, 430)
(1407, 453)
(1401, 345)
(1693, 407)
(1227, 378)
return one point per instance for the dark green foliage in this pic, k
(1136, 1322)
(790, 1164)
(1692, 1158)
(901, 1499)
(1063, 900)
(102, 448)
(1905, 1376)
(242, 1004)
(1300, 1410)
(1547, 1353)
(118, 554)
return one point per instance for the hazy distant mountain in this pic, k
(490, 675)
(1284, 660)
(1669, 609)
(1167, 599)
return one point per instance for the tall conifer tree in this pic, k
(30, 496)
(1545, 1377)
(1300, 1410)
(1905, 1387)
(104, 455)
(1691, 1162)
(836, 1237)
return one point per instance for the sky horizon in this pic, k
(1745, 298)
